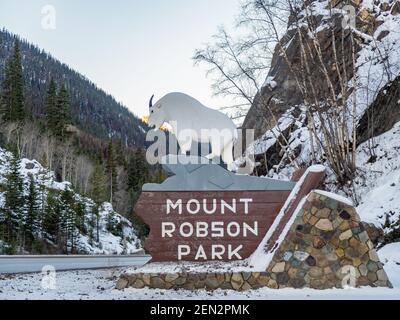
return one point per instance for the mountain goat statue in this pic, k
(191, 121)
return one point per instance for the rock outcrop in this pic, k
(272, 101)
(382, 114)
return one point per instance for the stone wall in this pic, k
(325, 247)
(326, 243)
(239, 281)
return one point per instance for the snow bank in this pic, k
(390, 257)
(100, 285)
(378, 183)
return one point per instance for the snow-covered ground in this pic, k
(378, 186)
(99, 285)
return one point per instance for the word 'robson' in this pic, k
(215, 229)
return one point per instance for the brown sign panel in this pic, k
(207, 226)
(215, 225)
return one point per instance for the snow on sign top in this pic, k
(317, 168)
(201, 175)
(335, 197)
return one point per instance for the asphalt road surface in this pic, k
(27, 264)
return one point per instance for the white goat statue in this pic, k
(191, 121)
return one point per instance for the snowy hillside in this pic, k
(378, 186)
(122, 239)
(375, 186)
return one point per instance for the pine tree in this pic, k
(113, 225)
(98, 193)
(95, 222)
(58, 109)
(68, 221)
(52, 213)
(51, 107)
(14, 201)
(32, 223)
(111, 171)
(12, 97)
(91, 226)
(6, 97)
(42, 198)
(80, 209)
(138, 173)
(63, 111)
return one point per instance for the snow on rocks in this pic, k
(270, 82)
(125, 243)
(335, 197)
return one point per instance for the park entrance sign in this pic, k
(289, 234)
(202, 226)
(206, 213)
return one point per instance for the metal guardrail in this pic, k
(30, 264)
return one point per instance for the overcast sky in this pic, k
(129, 48)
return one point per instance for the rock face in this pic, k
(285, 94)
(327, 246)
(385, 112)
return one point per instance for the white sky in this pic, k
(129, 48)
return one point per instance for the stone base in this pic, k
(239, 281)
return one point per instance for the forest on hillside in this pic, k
(107, 170)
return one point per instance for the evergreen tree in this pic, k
(51, 216)
(94, 232)
(58, 109)
(14, 202)
(51, 107)
(12, 97)
(42, 198)
(68, 224)
(80, 209)
(98, 191)
(32, 223)
(111, 171)
(113, 225)
(63, 111)
(98, 194)
(138, 173)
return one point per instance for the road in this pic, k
(28, 264)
